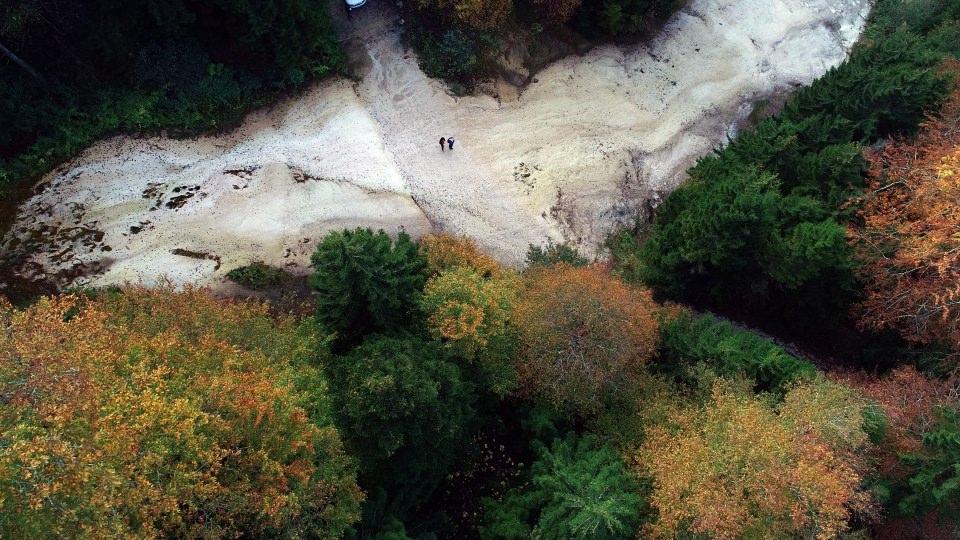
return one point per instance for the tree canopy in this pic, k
(579, 489)
(153, 413)
(582, 332)
(738, 467)
(366, 282)
(404, 409)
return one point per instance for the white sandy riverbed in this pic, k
(579, 151)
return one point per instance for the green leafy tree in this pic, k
(579, 489)
(367, 282)
(935, 482)
(688, 341)
(404, 410)
(554, 253)
(453, 56)
(762, 221)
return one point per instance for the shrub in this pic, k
(472, 14)
(479, 14)
(367, 282)
(258, 276)
(557, 11)
(582, 332)
(150, 413)
(454, 56)
(554, 253)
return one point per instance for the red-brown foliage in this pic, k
(908, 399)
(910, 236)
(583, 334)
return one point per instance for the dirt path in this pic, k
(579, 151)
(455, 188)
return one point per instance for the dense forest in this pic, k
(76, 71)
(773, 355)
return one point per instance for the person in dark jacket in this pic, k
(450, 143)
(442, 141)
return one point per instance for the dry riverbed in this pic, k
(583, 148)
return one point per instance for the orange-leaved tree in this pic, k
(447, 252)
(910, 239)
(909, 401)
(584, 334)
(739, 467)
(150, 413)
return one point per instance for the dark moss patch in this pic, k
(259, 276)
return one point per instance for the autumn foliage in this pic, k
(910, 238)
(583, 334)
(466, 310)
(739, 468)
(152, 413)
(447, 252)
(909, 400)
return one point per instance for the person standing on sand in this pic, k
(449, 143)
(442, 140)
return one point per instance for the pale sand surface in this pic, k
(579, 151)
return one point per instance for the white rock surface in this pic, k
(579, 151)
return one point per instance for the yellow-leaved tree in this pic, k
(446, 252)
(741, 468)
(150, 413)
(467, 310)
(469, 303)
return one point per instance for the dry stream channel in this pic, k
(583, 148)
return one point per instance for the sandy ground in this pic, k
(583, 148)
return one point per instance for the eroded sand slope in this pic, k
(581, 149)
